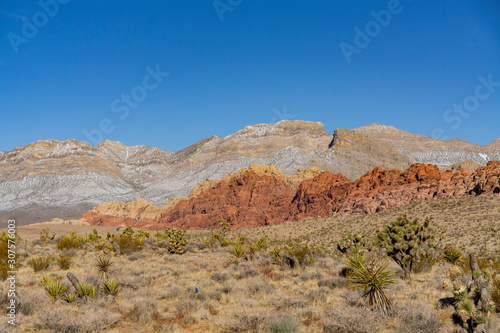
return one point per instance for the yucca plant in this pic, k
(110, 287)
(452, 254)
(44, 281)
(276, 252)
(238, 251)
(69, 297)
(86, 290)
(55, 289)
(373, 281)
(103, 264)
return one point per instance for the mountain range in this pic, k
(64, 179)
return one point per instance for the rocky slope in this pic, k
(256, 198)
(424, 149)
(52, 178)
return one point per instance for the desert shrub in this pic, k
(452, 254)
(243, 321)
(310, 275)
(347, 319)
(287, 303)
(187, 306)
(55, 319)
(64, 261)
(372, 280)
(129, 243)
(94, 236)
(145, 310)
(219, 277)
(283, 325)
(255, 287)
(318, 296)
(70, 241)
(425, 264)
(417, 317)
(405, 241)
(110, 287)
(30, 300)
(246, 271)
(45, 235)
(332, 283)
(40, 263)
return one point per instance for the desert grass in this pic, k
(210, 290)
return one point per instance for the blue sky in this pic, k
(234, 63)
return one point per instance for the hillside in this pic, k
(51, 178)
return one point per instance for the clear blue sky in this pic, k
(73, 70)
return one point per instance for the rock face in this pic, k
(424, 149)
(50, 178)
(262, 195)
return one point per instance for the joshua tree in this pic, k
(406, 240)
(473, 303)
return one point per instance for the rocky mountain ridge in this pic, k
(262, 195)
(51, 178)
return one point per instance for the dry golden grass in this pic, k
(204, 290)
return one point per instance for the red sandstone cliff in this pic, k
(254, 197)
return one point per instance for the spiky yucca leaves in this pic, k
(255, 246)
(110, 287)
(405, 240)
(473, 302)
(86, 290)
(238, 251)
(103, 264)
(69, 297)
(276, 252)
(54, 288)
(352, 244)
(221, 235)
(373, 281)
(176, 240)
(452, 254)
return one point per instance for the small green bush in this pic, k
(71, 241)
(64, 261)
(284, 325)
(40, 263)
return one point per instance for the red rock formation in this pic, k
(257, 198)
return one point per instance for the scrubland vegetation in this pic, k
(400, 274)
